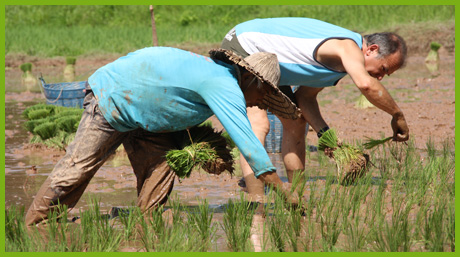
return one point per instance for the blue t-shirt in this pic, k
(163, 89)
(295, 42)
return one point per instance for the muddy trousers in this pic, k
(94, 143)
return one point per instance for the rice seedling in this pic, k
(351, 162)
(16, 237)
(176, 208)
(56, 235)
(28, 80)
(276, 222)
(46, 130)
(53, 126)
(151, 224)
(356, 234)
(308, 241)
(128, 218)
(432, 59)
(295, 213)
(31, 124)
(450, 225)
(67, 124)
(160, 234)
(363, 103)
(201, 222)
(393, 234)
(39, 106)
(434, 235)
(430, 148)
(408, 207)
(69, 70)
(39, 114)
(98, 231)
(371, 143)
(201, 147)
(330, 227)
(177, 239)
(294, 229)
(237, 223)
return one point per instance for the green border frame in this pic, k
(185, 2)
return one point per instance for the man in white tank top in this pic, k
(314, 54)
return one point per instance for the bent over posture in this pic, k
(314, 54)
(143, 100)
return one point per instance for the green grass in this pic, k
(88, 30)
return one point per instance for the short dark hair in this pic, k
(389, 43)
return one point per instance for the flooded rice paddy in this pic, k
(429, 105)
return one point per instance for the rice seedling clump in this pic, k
(200, 147)
(350, 160)
(52, 126)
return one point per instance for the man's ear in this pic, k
(372, 48)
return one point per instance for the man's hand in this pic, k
(400, 128)
(271, 178)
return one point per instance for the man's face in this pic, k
(379, 67)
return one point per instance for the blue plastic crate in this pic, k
(275, 134)
(68, 94)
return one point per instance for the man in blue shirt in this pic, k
(143, 100)
(314, 54)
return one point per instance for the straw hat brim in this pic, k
(276, 101)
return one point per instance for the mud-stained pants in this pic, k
(94, 142)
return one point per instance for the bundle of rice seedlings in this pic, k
(432, 59)
(200, 147)
(69, 70)
(363, 103)
(46, 130)
(67, 123)
(31, 124)
(433, 55)
(27, 78)
(60, 141)
(39, 114)
(52, 126)
(59, 113)
(51, 109)
(351, 162)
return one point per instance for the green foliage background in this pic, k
(76, 30)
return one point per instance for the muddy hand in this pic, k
(400, 128)
(271, 178)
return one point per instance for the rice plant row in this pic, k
(404, 203)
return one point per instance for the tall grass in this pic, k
(78, 30)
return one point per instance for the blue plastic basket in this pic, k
(67, 94)
(275, 134)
